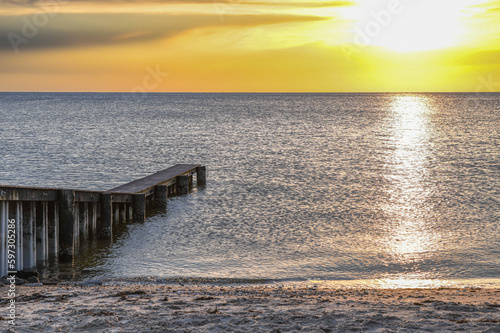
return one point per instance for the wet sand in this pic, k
(248, 308)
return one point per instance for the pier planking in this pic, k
(164, 177)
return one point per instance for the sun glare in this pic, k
(409, 26)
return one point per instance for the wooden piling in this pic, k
(84, 221)
(161, 195)
(105, 224)
(76, 234)
(201, 176)
(116, 213)
(42, 235)
(182, 185)
(130, 213)
(93, 219)
(123, 212)
(19, 236)
(29, 235)
(67, 224)
(53, 228)
(4, 216)
(139, 207)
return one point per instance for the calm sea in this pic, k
(377, 189)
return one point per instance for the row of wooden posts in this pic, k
(36, 223)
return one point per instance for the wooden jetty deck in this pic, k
(36, 222)
(167, 177)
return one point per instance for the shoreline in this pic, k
(177, 307)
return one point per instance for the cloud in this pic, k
(490, 7)
(489, 58)
(493, 11)
(66, 30)
(18, 2)
(311, 4)
(299, 4)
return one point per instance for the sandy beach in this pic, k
(146, 307)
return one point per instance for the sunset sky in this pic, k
(250, 45)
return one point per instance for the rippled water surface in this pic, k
(388, 187)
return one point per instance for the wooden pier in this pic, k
(36, 223)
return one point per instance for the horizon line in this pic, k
(253, 92)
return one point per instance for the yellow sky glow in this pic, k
(254, 46)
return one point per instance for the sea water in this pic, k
(396, 189)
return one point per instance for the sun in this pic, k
(411, 25)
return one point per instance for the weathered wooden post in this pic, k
(4, 216)
(170, 190)
(130, 212)
(29, 235)
(116, 213)
(93, 220)
(201, 176)
(139, 207)
(182, 185)
(76, 233)
(123, 212)
(53, 228)
(42, 231)
(84, 221)
(67, 224)
(105, 224)
(161, 195)
(19, 236)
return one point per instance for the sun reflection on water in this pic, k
(408, 235)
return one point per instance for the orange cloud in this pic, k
(242, 46)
